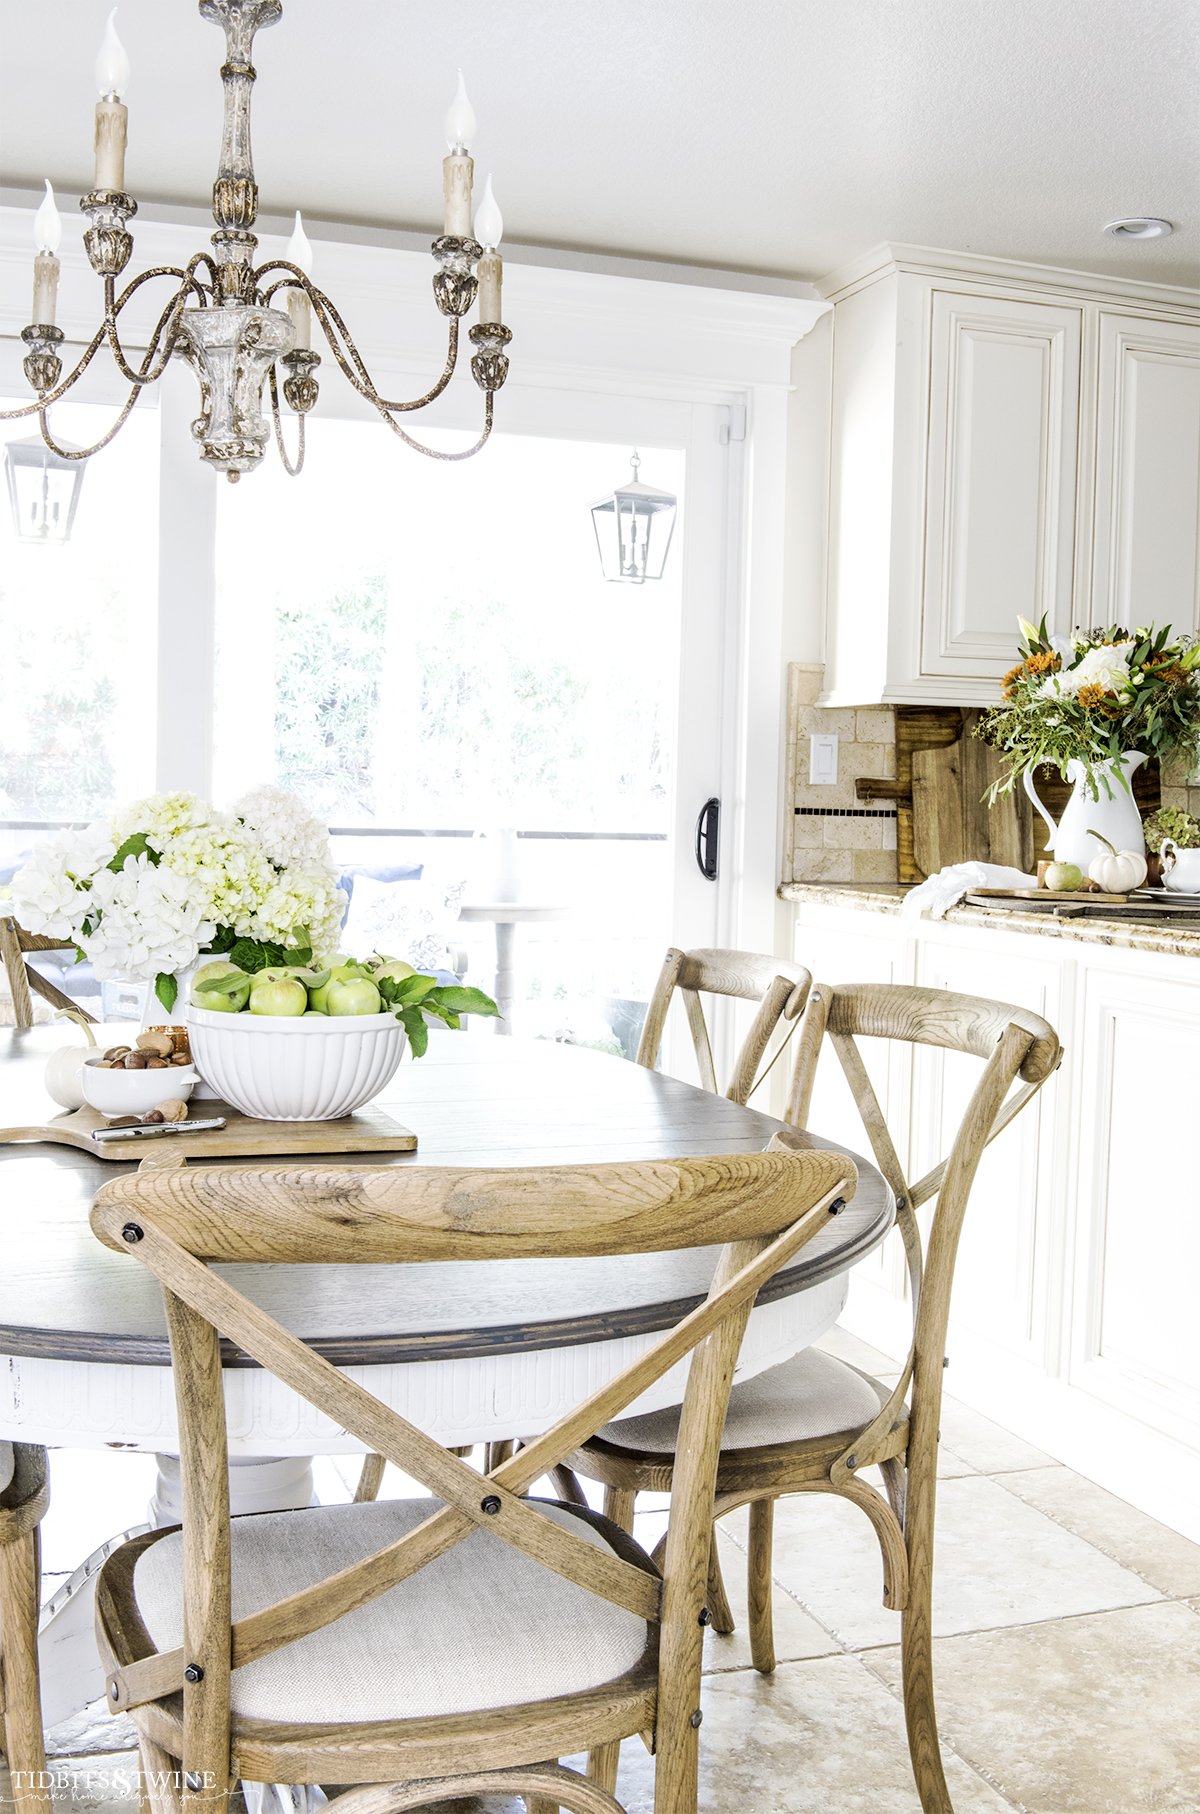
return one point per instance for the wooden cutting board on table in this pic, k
(952, 822)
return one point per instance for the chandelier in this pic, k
(237, 323)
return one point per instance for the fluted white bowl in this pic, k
(280, 1068)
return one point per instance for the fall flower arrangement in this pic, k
(1090, 697)
(142, 894)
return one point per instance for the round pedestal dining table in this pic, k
(471, 1353)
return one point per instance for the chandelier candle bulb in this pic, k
(112, 115)
(458, 170)
(47, 236)
(489, 229)
(300, 253)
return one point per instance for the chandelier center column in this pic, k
(235, 192)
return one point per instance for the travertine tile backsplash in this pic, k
(833, 835)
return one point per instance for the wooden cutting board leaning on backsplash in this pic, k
(952, 821)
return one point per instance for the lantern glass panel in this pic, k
(43, 490)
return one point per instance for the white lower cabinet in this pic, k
(1074, 1319)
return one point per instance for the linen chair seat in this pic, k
(484, 1626)
(8, 1465)
(811, 1396)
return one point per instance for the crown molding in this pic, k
(929, 261)
(630, 324)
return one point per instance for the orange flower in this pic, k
(1044, 662)
(1093, 695)
(1170, 673)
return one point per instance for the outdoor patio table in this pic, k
(490, 1352)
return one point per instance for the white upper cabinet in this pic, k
(1000, 479)
(1146, 560)
(1004, 442)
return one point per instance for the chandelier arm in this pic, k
(364, 384)
(63, 386)
(292, 471)
(82, 453)
(436, 453)
(149, 372)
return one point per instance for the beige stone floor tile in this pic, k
(999, 1562)
(814, 1738)
(1158, 1554)
(983, 1444)
(797, 1633)
(847, 1347)
(1097, 1715)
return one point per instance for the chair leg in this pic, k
(759, 1585)
(24, 1743)
(370, 1480)
(602, 1765)
(495, 1453)
(566, 1482)
(618, 1505)
(718, 1600)
(18, 978)
(916, 1649)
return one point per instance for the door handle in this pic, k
(708, 833)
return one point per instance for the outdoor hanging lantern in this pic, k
(633, 527)
(43, 489)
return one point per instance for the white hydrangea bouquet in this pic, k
(142, 895)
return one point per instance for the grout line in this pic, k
(1062, 1524)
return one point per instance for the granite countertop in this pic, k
(1173, 934)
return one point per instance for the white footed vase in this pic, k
(1108, 807)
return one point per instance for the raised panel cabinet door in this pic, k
(1137, 1258)
(1146, 560)
(1001, 465)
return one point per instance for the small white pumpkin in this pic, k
(1116, 871)
(64, 1065)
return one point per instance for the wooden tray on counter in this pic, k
(1049, 896)
(369, 1130)
(1044, 900)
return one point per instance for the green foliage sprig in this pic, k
(1092, 696)
(1171, 822)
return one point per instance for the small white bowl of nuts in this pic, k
(153, 1074)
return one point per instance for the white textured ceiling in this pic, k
(775, 136)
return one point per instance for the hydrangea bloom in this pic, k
(1105, 666)
(263, 871)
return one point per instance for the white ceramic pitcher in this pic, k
(1112, 811)
(1181, 868)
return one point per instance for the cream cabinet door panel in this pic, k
(1137, 1273)
(1147, 537)
(1000, 510)
(1006, 1263)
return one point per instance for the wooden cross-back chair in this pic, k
(451, 1645)
(15, 943)
(779, 987)
(814, 1424)
(24, 1496)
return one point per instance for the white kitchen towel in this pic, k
(938, 893)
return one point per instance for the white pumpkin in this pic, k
(63, 1067)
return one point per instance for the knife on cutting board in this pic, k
(156, 1129)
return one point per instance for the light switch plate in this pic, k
(823, 759)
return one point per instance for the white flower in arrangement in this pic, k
(147, 921)
(169, 877)
(1105, 666)
(288, 832)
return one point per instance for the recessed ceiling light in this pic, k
(1139, 226)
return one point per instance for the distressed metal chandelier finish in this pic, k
(222, 315)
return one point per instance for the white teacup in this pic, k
(1181, 868)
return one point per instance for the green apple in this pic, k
(283, 996)
(393, 969)
(225, 993)
(341, 972)
(1063, 878)
(207, 973)
(355, 995)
